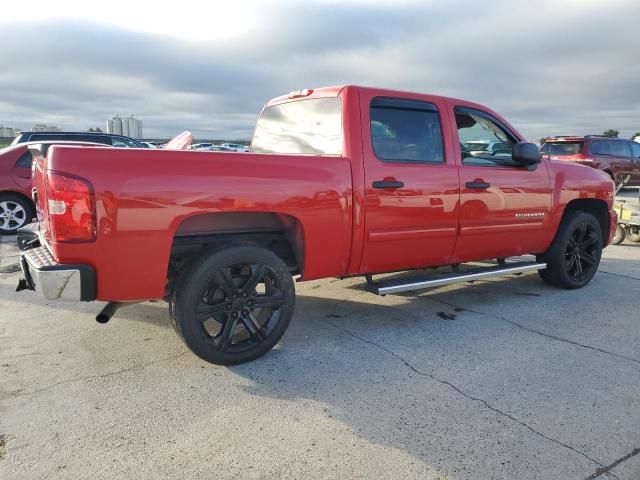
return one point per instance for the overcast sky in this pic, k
(550, 67)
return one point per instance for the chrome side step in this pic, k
(406, 284)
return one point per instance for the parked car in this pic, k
(93, 137)
(16, 206)
(322, 194)
(149, 144)
(218, 148)
(615, 156)
(483, 147)
(237, 147)
(200, 146)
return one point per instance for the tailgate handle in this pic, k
(477, 185)
(387, 184)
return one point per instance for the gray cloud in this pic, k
(556, 67)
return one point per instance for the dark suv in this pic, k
(93, 137)
(616, 156)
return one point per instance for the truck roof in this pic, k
(334, 91)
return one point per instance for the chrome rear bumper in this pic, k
(52, 280)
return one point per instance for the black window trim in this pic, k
(410, 104)
(473, 111)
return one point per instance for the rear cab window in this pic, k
(305, 127)
(406, 131)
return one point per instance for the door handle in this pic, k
(477, 185)
(387, 184)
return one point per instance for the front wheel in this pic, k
(633, 234)
(234, 304)
(575, 254)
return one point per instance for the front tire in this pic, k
(15, 212)
(574, 256)
(233, 305)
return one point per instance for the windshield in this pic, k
(561, 148)
(311, 126)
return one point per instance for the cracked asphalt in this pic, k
(500, 379)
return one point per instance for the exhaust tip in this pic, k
(107, 312)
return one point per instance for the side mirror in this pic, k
(525, 154)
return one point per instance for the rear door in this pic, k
(504, 207)
(621, 154)
(601, 153)
(411, 183)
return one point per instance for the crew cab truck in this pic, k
(340, 181)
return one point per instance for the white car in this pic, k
(476, 147)
(201, 146)
(236, 146)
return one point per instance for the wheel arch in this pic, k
(598, 208)
(280, 232)
(18, 194)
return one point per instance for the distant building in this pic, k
(8, 132)
(42, 127)
(127, 126)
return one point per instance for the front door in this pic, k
(504, 207)
(411, 189)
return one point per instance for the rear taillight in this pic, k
(71, 208)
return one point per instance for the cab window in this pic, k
(601, 147)
(484, 141)
(635, 149)
(620, 149)
(406, 131)
(24, 161)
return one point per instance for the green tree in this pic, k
(637, 134)
(611, 133)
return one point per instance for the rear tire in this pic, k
(233, 305)
(574, 256)
(15, 212)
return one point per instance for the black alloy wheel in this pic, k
(234, 305)
(582, 255)
(574, 256)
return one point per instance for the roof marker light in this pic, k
(305, 92)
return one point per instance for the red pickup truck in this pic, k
(341, 181)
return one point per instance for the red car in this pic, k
(616, 157)
(16, 206)
(340, 181)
